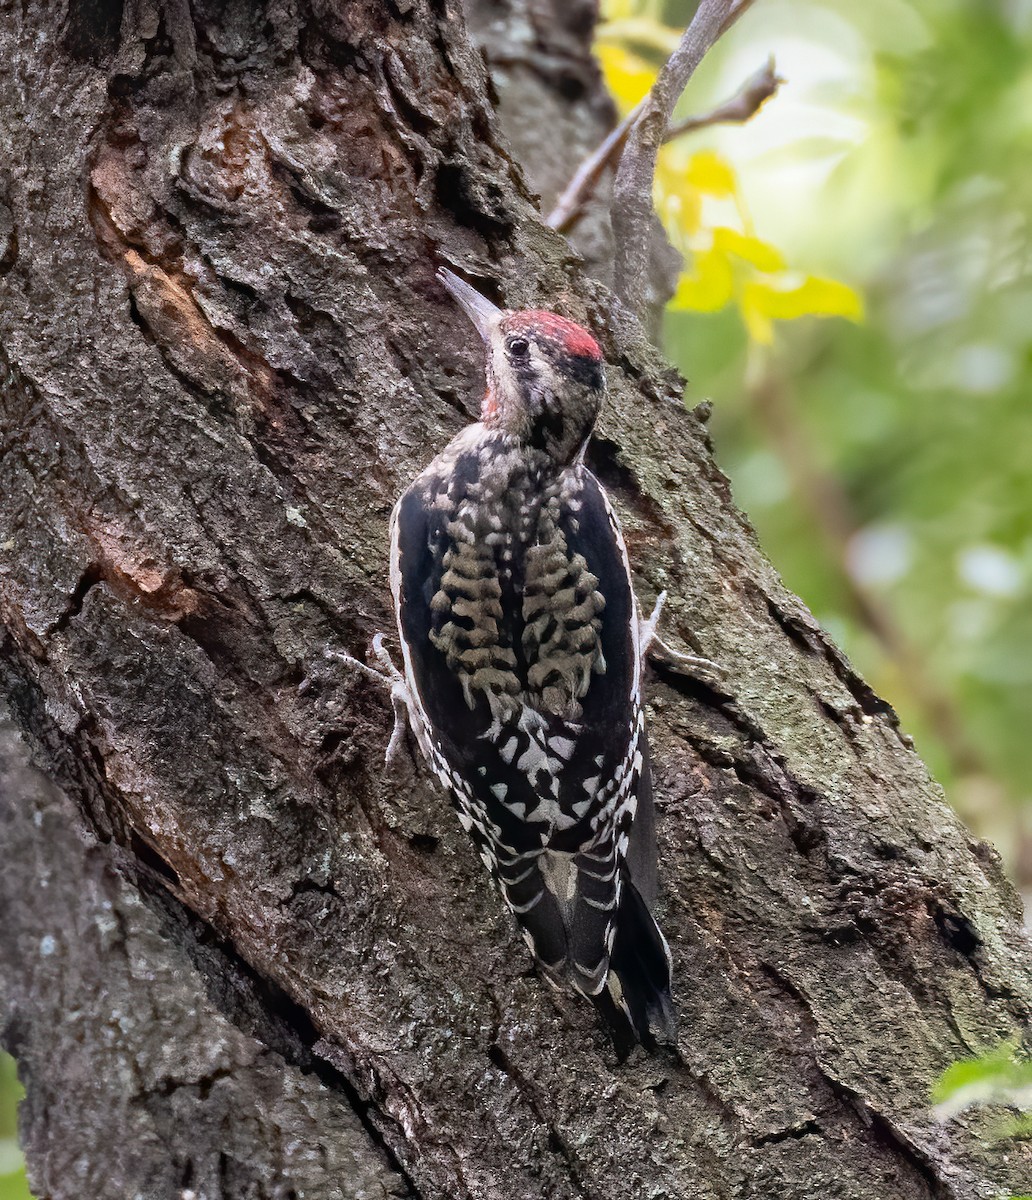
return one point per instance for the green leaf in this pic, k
(13, 1184)
(997, 1078)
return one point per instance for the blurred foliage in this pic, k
(1002, 1078)
(884, 462)
(12, 1170)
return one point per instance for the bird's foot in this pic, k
(389, 677)
(692, 666)
(647, 628)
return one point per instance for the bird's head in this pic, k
(545, 374)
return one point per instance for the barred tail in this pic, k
(636, 1001)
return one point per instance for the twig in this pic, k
(632, 191)
(585, 179)
(745, 103)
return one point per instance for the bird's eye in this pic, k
(518, 347)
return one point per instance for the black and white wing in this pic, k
(523, 659)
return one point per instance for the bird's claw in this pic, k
(390, 678)
(690, 665)
(647, 628)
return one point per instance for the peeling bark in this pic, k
(277, 968)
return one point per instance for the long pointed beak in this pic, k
(479, 309)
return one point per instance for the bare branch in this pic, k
(632, 191)
(585, 179)
(745, 103)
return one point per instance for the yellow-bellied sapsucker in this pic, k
(523, 655)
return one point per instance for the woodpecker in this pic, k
(523, 653)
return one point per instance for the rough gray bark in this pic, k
(154, 1060)
(277, 969)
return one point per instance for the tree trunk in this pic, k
(240, 957)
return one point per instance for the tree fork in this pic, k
(274, 967)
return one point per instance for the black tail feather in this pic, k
(636, 1002)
